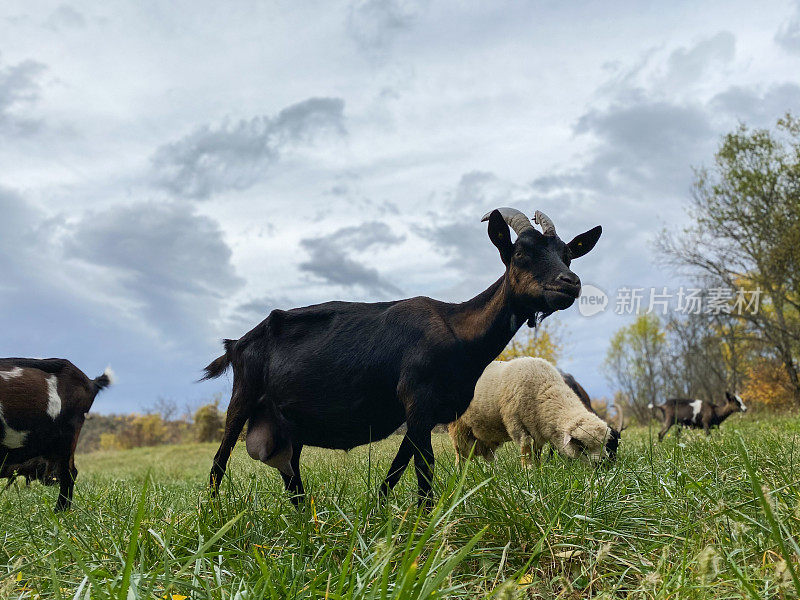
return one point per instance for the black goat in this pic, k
(43, 405)
(695, 414)
(342, 374)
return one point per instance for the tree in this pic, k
(746, 235)
(767, 385)
(545, 341)
(142, 430)
(704, 356)
(634, 363)
(208, 422)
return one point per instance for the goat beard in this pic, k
(537, 318)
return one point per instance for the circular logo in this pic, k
(592, 300)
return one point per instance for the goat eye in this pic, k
(518, 255)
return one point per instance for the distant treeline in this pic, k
(159, 425)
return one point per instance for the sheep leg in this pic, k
(522, 439)
(463, 439)
(525, 452)
(531, 453)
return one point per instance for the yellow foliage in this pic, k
(767, 384)
(546, 341)
(109, 441)
(142, 430)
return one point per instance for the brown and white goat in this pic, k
(43, 405)
(696, 413)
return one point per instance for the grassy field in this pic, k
(689, 518)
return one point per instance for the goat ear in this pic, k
(583, 243)
(500, 236)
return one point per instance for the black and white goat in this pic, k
(696, 413)
(43, 405)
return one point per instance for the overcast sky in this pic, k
(170, 172)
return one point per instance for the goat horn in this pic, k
(515, 219)
(547, 225)
(620, 418)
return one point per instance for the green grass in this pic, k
(689, 518)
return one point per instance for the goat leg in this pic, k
(234, 422)
(66, 482)
(293, 482)
(399, 464)
(423, 465)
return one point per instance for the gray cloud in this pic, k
(172, 262)
(464, 243)
(65, 17)
(17, 225)
(67, 289)
(247, 314)
(788, 36)
(756, 108)
(686, 65)
(330, 257)
(236, 155)
(457, 233)
(261, 307)
(19, 88)
(644, 144)
(373, 24)
(477, 190)
(647, 141)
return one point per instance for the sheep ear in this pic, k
(567, 439)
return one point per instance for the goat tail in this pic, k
(218, 366)
(103, 381)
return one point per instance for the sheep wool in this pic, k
(526, 400)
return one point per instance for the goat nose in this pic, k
(570, 278)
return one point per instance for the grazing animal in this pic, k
(43, 405)
(36, 469)
(342, 374)
(527, 400)
(696, 413)
(612, 445)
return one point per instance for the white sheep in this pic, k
(527, 400)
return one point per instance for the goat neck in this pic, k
(725, 411)
(486, 323)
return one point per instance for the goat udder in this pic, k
(261, 445)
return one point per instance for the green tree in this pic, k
(635, 364)
(746, 233)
